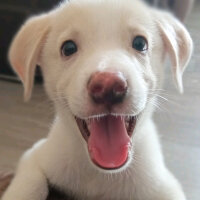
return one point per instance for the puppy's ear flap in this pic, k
(177, 42)
(24, 53)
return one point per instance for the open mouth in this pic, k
(108, 139)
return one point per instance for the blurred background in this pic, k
(177, 118)
(12, 15)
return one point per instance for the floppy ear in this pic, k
(24, 53)
(178, 44)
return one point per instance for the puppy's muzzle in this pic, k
(107, 88)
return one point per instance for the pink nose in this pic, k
(107, 88)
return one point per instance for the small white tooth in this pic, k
(127, 124)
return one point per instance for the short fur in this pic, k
(6, 178)
(103, 31)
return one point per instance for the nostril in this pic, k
(118, 93)
(97, 93)
(97, 89)
(120, 88)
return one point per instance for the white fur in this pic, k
(103, 31)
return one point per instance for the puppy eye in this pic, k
(140, 43)
(68, 48)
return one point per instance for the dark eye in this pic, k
(140, 43)
(68, 48)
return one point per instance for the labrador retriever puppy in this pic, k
(103, 63)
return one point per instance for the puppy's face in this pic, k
(99, 69)
(102, 63)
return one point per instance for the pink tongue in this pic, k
(108, 142)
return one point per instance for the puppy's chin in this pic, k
(108, 140)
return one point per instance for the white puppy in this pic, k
(102, 62)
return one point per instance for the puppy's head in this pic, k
(102, 61)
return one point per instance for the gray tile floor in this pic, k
(178, 120)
